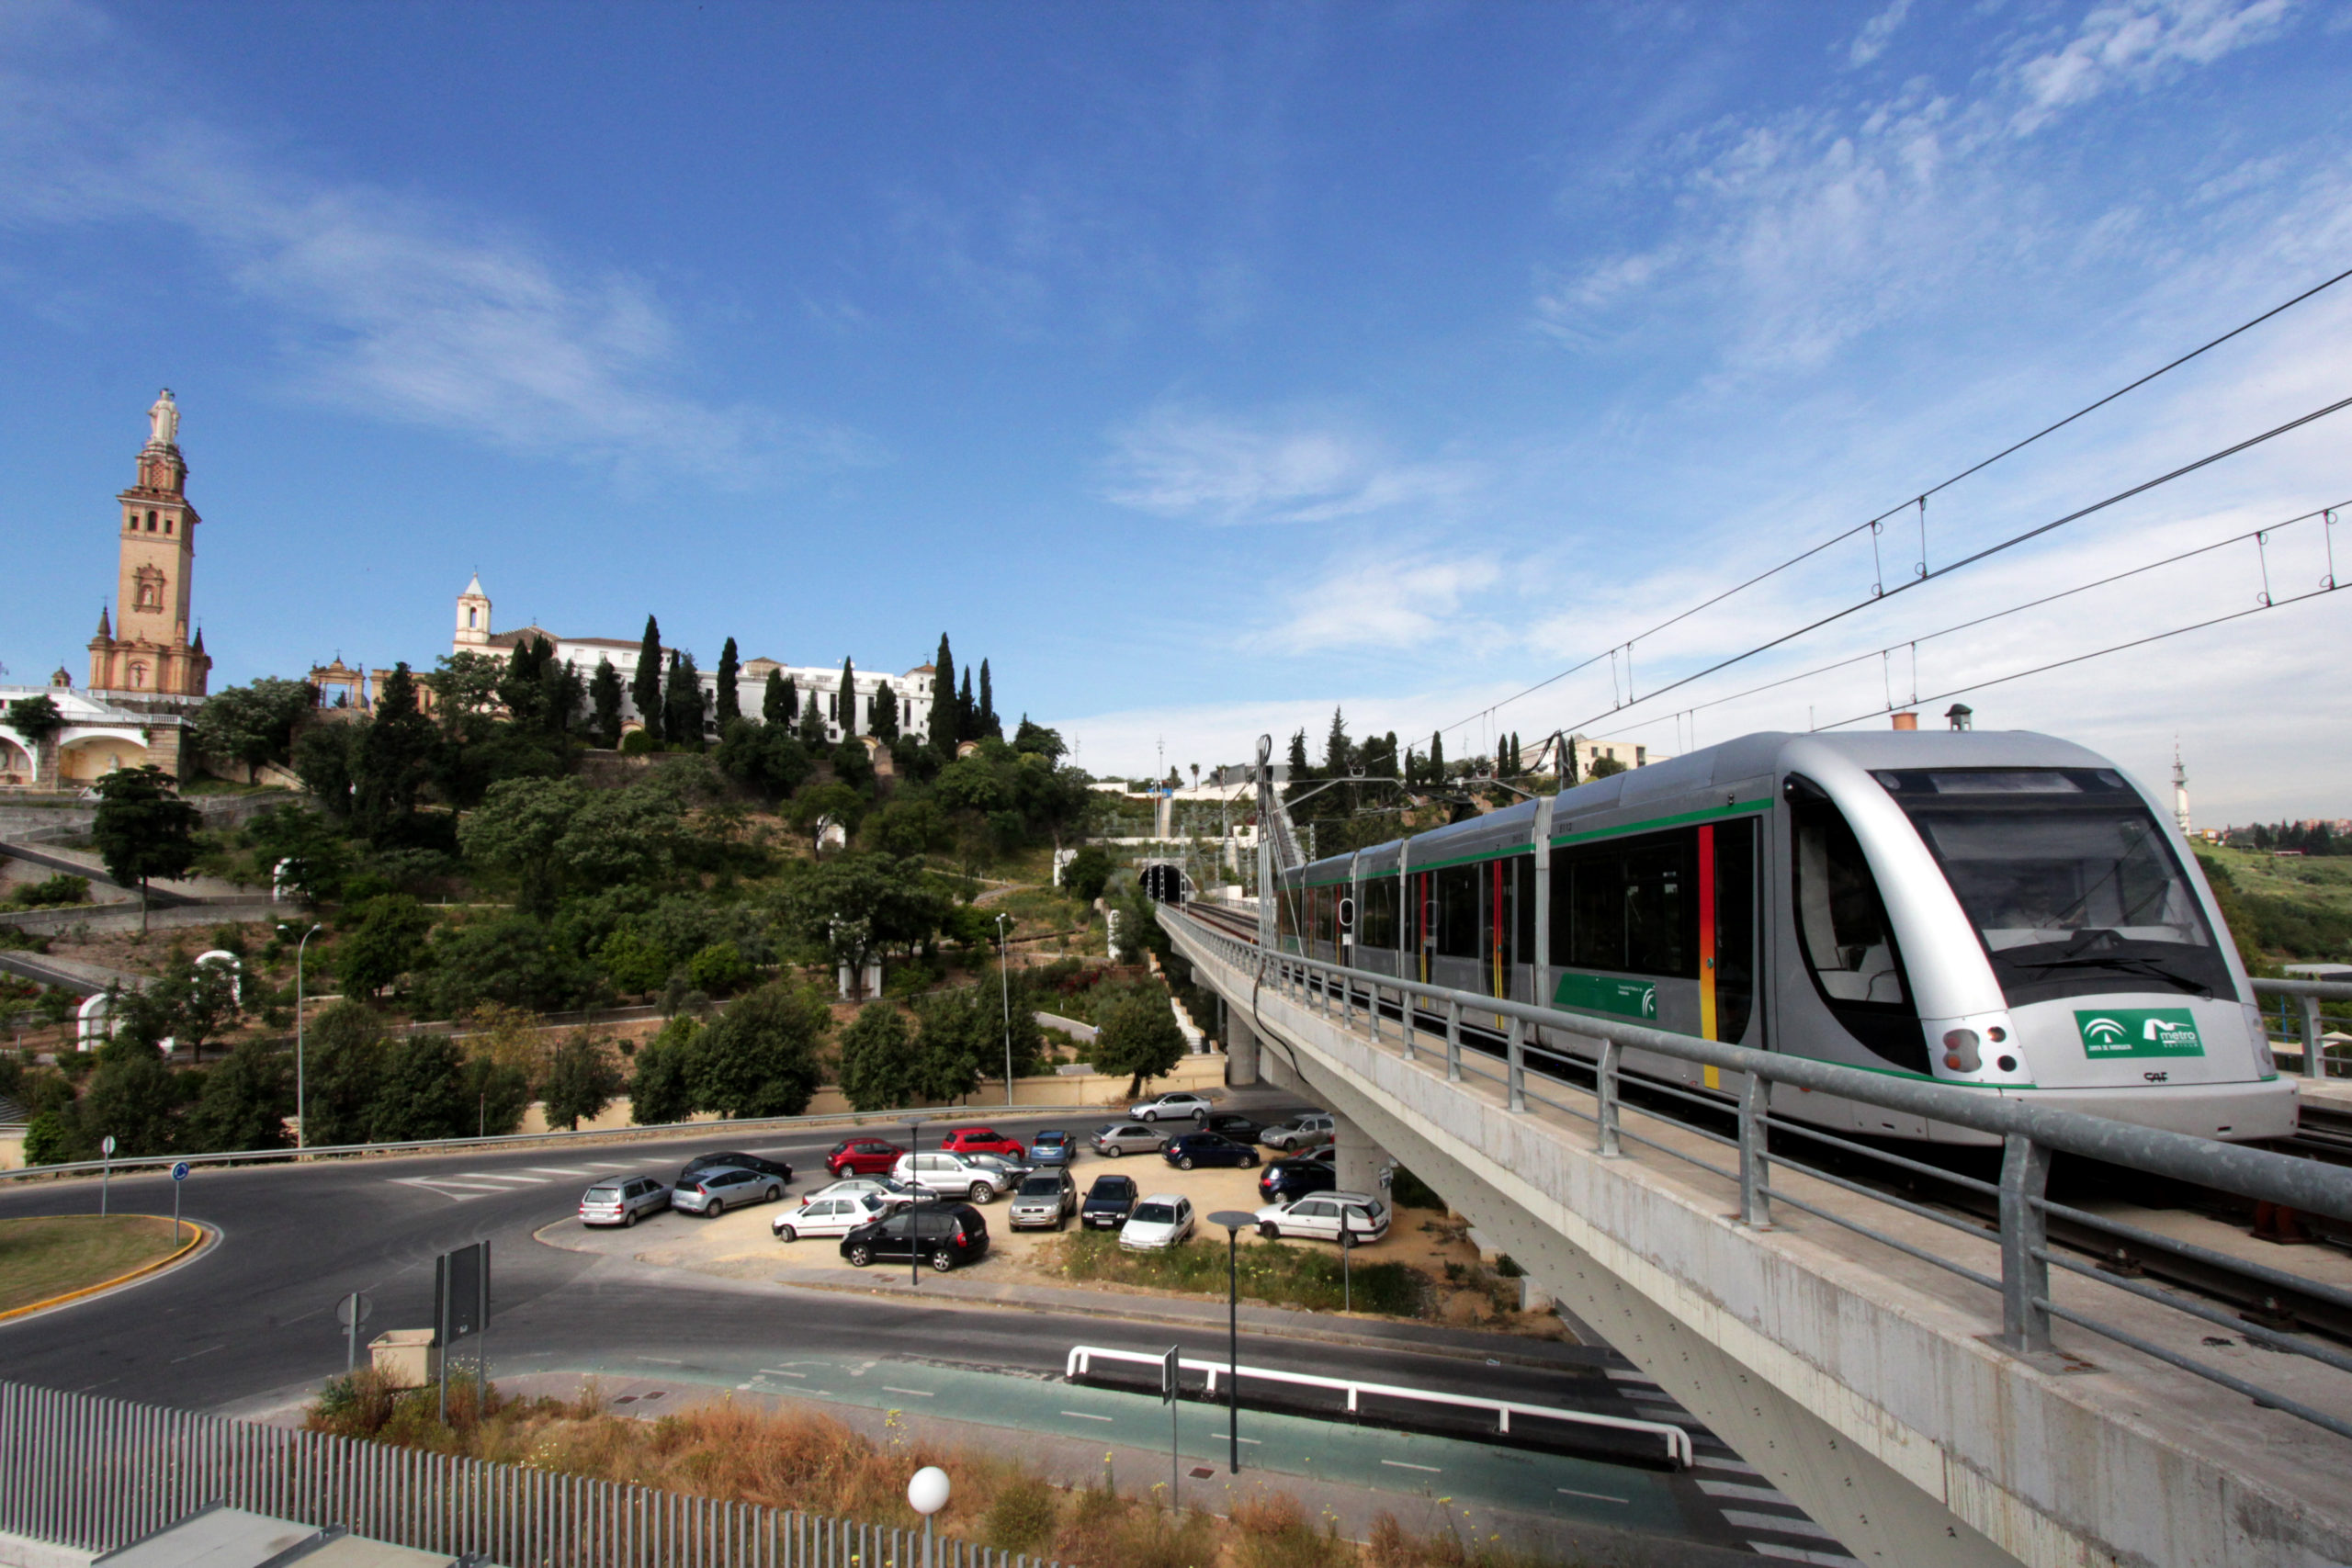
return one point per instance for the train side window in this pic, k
(1842, 926)
(1523, 891)
(1377, 920)
(1627, 905)
(1458, 923)
(1735, 928)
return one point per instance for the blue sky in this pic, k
(1206, 366)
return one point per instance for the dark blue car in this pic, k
(1207, 1148)
(1053, 1147)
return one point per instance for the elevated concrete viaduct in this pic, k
(1866, 1383)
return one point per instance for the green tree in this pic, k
(143, 829)
(132, 1096)
(760, 1058)
(252, 726)
(582, 1080)
(775, 700)
(244, 1101)
(326, 760)
(387, 941)
(731, 669)
(522, 689)
(35, 718)
(550, 835)
(854, 907)
(1436, 756)
(905, 828)
(717, 969)
(986, 725)
(812, 722)
(968, 713)
(188, 1004)
(1604, 767)
(886, 713)
(492, 1097)
(634, 962)
(343, 1064)
(1338, 754)
(878, 1058)
(659, 1091)
(848, 700)
(683, 710)
(1087, 873)
(422, 1093)
(563, 696)
(957, 1042)
(1138, 1036)
(48, 1138)
(942, 701)
(647, 688)
(1036, 740)
(605, 696)
(393, 761)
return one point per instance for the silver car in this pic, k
(1116, 1138)
(712, 1192)
(1307, 1130)
(1176, 1104)
(1046, 1197)
(953, 1175)
(621, 1201)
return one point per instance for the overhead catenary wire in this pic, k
(1965, 561)
(1919, 500)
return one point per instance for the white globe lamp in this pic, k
(927, 1494)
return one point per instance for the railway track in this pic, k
(2324, 1134)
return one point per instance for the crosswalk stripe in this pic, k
(608, 1165)
(555, 1170)
(501, 1175)
(1778, 1523)
(1745, 1494)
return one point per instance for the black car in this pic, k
(944, 1235)
(1287, 1181)
(1207, 1148)
(729, 1158)
(1234, 1126)
(1107, 1204)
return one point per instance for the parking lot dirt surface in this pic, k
(741, 1243)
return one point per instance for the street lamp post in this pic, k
(1234, 1221)
(914, 1208)
(301, 1114)
(1004, 988)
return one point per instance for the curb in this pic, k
(204, 1238)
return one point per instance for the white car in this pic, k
(890, 1189)
(1157, 1222)
(952, 1176)
(1320, 1216)
(836, 1215)
(1175, 1103)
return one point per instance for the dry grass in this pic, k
(816, 1464)
(49, 1255)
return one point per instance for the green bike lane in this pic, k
(1414, 1468)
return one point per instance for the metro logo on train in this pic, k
(2139, 1032)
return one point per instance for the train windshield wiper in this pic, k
(2134, 964)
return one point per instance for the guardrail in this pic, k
(2030, 1133)
(1678, 1441)
(2308, 995)
(96, 1475)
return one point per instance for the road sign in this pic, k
(179, 1170)
(105, 1146)
(354, 1309)
(1168, 1365)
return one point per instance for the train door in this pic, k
(1726, 930)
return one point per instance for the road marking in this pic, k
(917, 1393)
(1082, 1415)
(192, 1354)
(778, 1372)
(500, 1176)
(1778, 1523)
(554, 1170)
(664, 1360)
(1708, 1461)
(1400, 1464)
(1747, 1493)
(1596, 1496)
(1798, 1554)
(435, 1184)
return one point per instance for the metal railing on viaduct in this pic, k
(96, 1475)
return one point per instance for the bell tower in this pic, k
(473, 619)
(147, 651)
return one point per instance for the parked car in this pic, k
(1175, 1104)
(1303, 1131)
(1321, 1216)
(621, 1201)
(952, 1176)
(1053, 1147)
(1013, 1171)
(863, 1156)
(1158, 1222)
(729, 1160)
(832, 1213)
(1116, 1138)
(1287, 1181)
(982, 1141)
(1234, 1126)
(1044, 1198)
(1108, 1203)
(1207, 1148)
(943, 1235)
(890, 1189)
(712, 1192)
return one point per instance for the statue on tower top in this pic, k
(163, 421)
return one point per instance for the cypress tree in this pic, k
(967, 713)
(681, 703)
(812, 722)
(989, 726)
(849, 699)
(1436, 756)
(1337, 753)
(942, 700)
(776, 703)
(886, 713)
(1412, 768)
(729, 671)
(646, 690)
(605, 692)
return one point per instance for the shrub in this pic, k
(718, 967)
(639, 743)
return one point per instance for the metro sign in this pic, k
(2139, 1032)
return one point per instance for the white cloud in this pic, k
(1871, 42)
(1395, 603)
(395, 307)
(1180, 460)
(2136, 44)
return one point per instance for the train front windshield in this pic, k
(2067, 879)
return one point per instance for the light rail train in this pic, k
(2003, 912)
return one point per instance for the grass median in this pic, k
(1270, 1271)
(55, 1254)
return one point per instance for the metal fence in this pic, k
(96, 1474)
(1537, 1056)
(2298, 1008)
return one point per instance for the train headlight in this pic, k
(2257, 1027)
(1959, 1050)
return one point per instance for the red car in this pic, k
(982, 1141)
(863, 1156)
